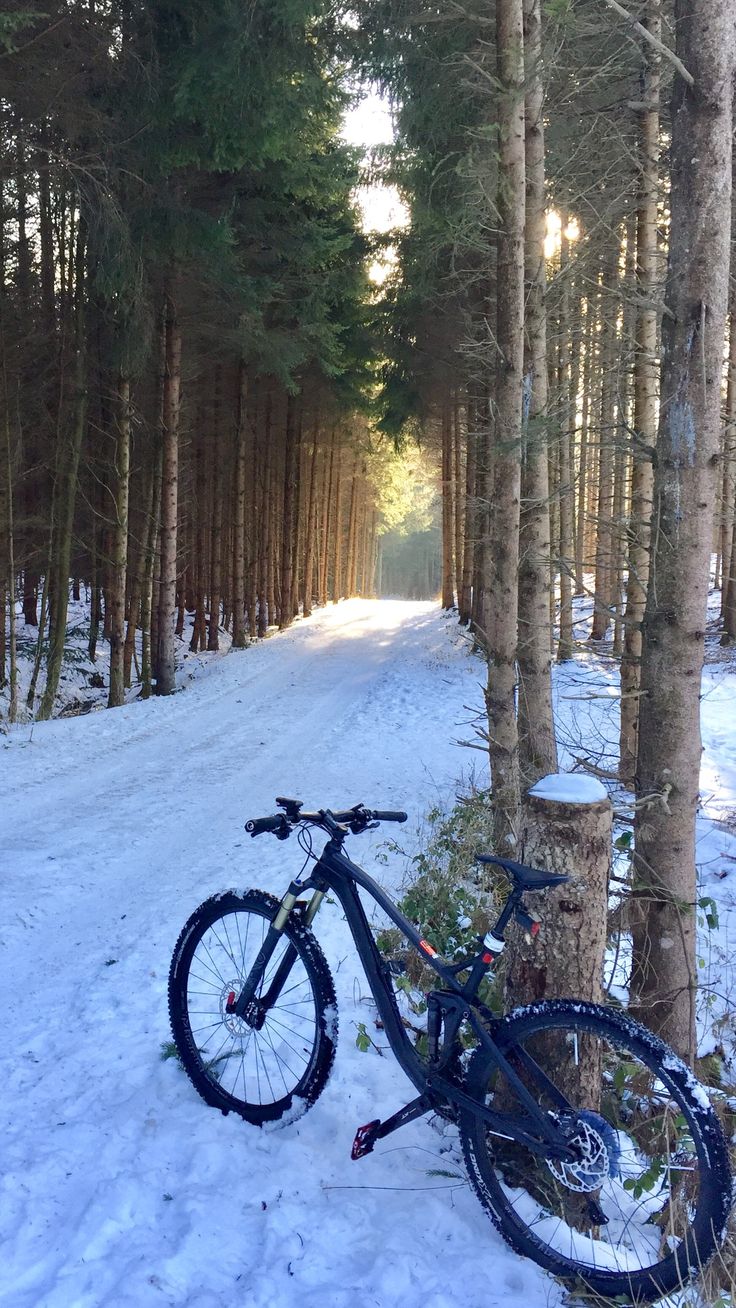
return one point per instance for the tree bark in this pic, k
(645, 402)
(606, 431)
(537, 749)
(65, 491)
(728, 596)
(119, 560)
(465, 599)
(503, 599)
(217, 483)
(166, 662)
(239, 640)
(448, 508)
(663, 982)
(291, 469)
(311, 525)
(566, 436)
(459, 504)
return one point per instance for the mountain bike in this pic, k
(591, 1145)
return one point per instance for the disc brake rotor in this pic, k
(594, 1163)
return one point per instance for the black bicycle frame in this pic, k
(455, 1003)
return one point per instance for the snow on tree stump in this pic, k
(566, 827)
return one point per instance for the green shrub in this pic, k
(452, 900)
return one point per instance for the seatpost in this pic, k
(507, 912)
(492, 943)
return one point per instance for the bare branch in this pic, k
(658, 45)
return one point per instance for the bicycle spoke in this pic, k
(265, 1056)
(629, 1217)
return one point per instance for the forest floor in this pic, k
(120, 1187)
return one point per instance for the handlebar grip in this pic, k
(389, 815)
(257, 826)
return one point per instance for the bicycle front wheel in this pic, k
(644, 1203)
(277, 1063)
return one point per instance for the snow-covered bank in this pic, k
(119, 1186)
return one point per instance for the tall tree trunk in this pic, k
(583, 474)
(119, 560)
(465, 598)
(688, 439)
(265, 612)
(503, 600)
(566, 438)
(728, 484)
(484, 472)
(728, 596)
(337, 586)
(291, 470)
(217, 482)
(254, 534)
(448, 507)
(537, 750)
(239, 515)
(6, 503)
(457, 445)
(311, 525)
(148, 605)
(606, 433)
(326, 541)
(135, 610)
(65, 491)
(645, 400)
(352, 532)
(166, 663)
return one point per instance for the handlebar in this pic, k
(277, 823)
(357, 819)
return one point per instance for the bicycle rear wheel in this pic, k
(645, 1204)
(278, 1061)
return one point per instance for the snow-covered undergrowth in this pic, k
(119, 1186)
(84, 683)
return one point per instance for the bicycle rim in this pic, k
(260, 1067)
(641, 1209)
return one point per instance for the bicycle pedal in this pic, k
(365, 1138)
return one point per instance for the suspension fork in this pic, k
(266, 952)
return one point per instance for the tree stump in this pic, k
(565, 828)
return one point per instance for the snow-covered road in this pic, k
(119, 1186)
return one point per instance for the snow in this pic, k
(119, 1186)
(570, 788)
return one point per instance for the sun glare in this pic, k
(553, 238)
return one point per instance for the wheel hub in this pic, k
(253, 1017)
(592, 1166)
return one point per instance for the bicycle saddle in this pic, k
(529, 878)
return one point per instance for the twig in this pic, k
(654, 41)
(603, 773)
(395, 1187)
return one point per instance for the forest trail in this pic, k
(120, 1187)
